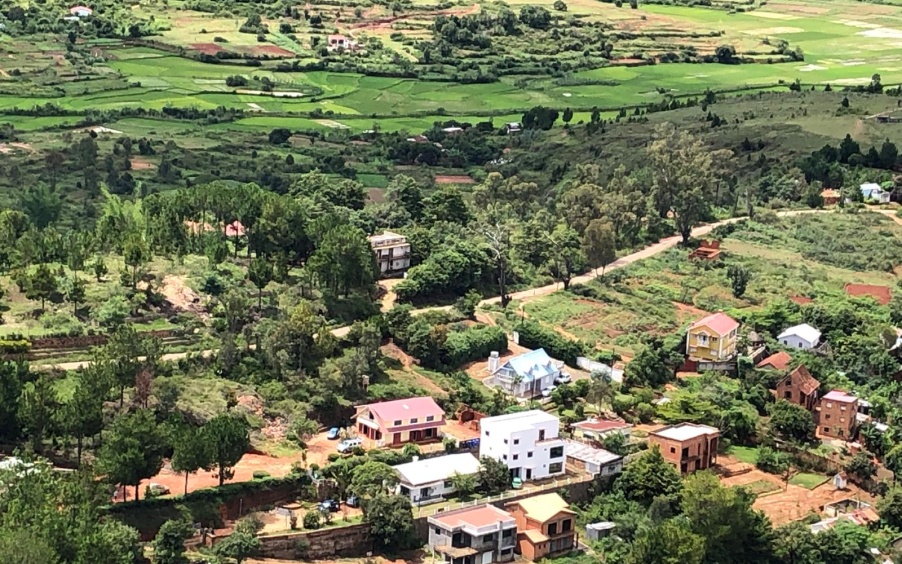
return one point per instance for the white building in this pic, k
(594, 461)
(392, 252)
(527, 443)
(429, 479)
(872, 192)
(525, 375)
(802, 336)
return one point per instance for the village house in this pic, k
(392, 252)
(873, 192)
(473, 535)
(430, 479)
(338, 41)
(837, 416)
(688, 446)
(394, 423)
(712, 338)
(525, 375)
(545, 526)
(511, 128)
(81, 11)
(799, 387)
(591, 460)
(852, 510)
(802, 336)
(598, 429)
(707, 250)
(777, 361)
(526, 442)
(830, 197)
(882, 294)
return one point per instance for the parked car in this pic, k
(546, 393)
(353, 501)
(564, 378)
(333, 433)
(516, 483)
(330, 506)
(348, 445)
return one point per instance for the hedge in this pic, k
(474, 343)
(534, 336)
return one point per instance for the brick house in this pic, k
(545, 526)
(688, 446)
(411, 420)
(799, 387)
(836, 418)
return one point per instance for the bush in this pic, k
(113, 312)
(474, 343)
(312, 519)
(772, 461)
(260, 474)
(534, 336)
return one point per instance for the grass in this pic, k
(760, 487)
(808, 481)
(748, 455)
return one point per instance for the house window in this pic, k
(829, 404)
(504, 456)
(487, 434)
(438, 531)
(541, 434)
(703, 339)
(557, 452)
(448, 484)
(516, 441)
(516, 457)
(413, 420)
(505, 441)
(787, 394)
(839, 432)
(529, 454)
(507, 533)
(842, 419)
(556, 467)
(397, 423)
(566, 525)
(672, 450)
(552, 529)
(430, 418)
(826, 429)
(842, 408)
(827, 417)
(488, 538)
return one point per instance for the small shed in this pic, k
(595, 531)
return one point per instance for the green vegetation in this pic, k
(809, 481)
(749, 455)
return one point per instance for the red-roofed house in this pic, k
(776, 361)
(598, 429)
(837, 415)
(410, 420)
(81, 11)
(712, 338)
(474, 535)
(800, 387)
(882, 294)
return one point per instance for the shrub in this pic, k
(534, 336)
(260, 474)
(772, 461)
(312, 520)
(113, 312)
(473, 344)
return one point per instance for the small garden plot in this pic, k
(808, 481)
(760, 488)
(748, 455)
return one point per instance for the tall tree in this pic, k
(648, 477)
(227, 438)
(791, 421)
(36, 407)
(566, 258)
(136, 253)
(259, 272)
(599, 244)
(11, 377)
(169, 544)
(190, 452)
(41, 285)
(671, 542)
(133, 450)
(344, 260)
(685, 174)
(82, 415)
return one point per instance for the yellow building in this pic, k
(712, 338)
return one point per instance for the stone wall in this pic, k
(350, 541)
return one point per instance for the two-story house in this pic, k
(525, 375)
(545, 526)
(392, 252)
(528, 443)
(473, 535)
(837, 415)
(688, 446)
(712, 338)
(394, 423)
(431, 479)
(799, 387)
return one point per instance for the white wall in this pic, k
(796, 342)
(521, 452)
(435, 489)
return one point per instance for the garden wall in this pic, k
(349, 541)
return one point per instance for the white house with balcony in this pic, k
(431, 479)
(525, 375)
(528, 443)
(392, 252)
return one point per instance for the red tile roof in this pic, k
(840, 396)
(476, 517)
(802, 300)
(803, 380)
(882, 294)
(601, 425)
(777, 361)
(719, 322)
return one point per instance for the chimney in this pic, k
(494, 362)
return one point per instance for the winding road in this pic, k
(623, 261)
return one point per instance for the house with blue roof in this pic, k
(525, 375)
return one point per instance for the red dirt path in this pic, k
(454, 179)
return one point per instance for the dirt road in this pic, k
(625, 260)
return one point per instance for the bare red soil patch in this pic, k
(207, 48)
(453, 179)
(139, 163)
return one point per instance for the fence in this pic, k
(592, 366)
